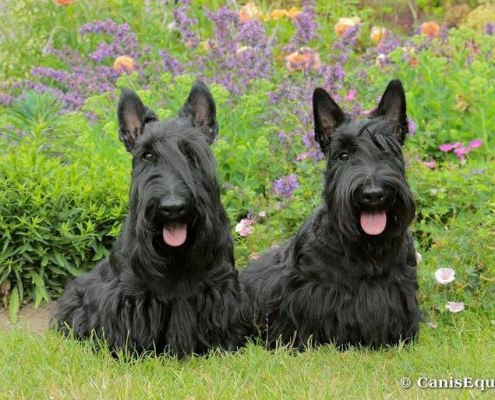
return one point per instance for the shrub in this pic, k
(58, 214)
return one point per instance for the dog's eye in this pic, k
(343, 156)
(148, 156)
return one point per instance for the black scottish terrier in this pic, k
(349, 275)
(169, 284)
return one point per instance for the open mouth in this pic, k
(373, 222)
(174, 234)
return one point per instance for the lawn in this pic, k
(47, 366)
(64, 176)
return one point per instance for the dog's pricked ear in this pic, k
(327, 116)
(392, 106)
(200, 108)
(132, 115)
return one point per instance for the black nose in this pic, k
(373, 196)
(173, 207)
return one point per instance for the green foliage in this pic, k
(449, 90)
(454, 229)
(56, 218)
(39, 118)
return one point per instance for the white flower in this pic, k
(419, 258)
(444, 275)
(454, 307)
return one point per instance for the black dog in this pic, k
(349, 276)
(169, 284)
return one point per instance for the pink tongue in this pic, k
(374, 223)
(175, 235)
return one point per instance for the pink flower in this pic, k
(430, 164)
(444, 275)
(351, 95)
(446, 147)
(455, 307)
(474, 144)
(244, 227)
(460, 150)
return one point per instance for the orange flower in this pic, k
(378, 33)
(62, 3)
(123, 64)
(344, 24)
(278, 14)
(304, 59)
(293, 12)
(430, 29)
(249, 11)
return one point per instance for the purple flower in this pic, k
(305, 23)
(239, 52)
(455, 307)
(388, 44)
(489, 28)
(285, 185)
(444, 275)
(411, 126)
(183, 24)
(170, 64)
(314, 150)
(56, 75)
(124, 40)
(315, 154)
(6, 99)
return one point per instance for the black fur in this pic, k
(149, 295)
(332, 282)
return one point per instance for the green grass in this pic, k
(50, 367)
